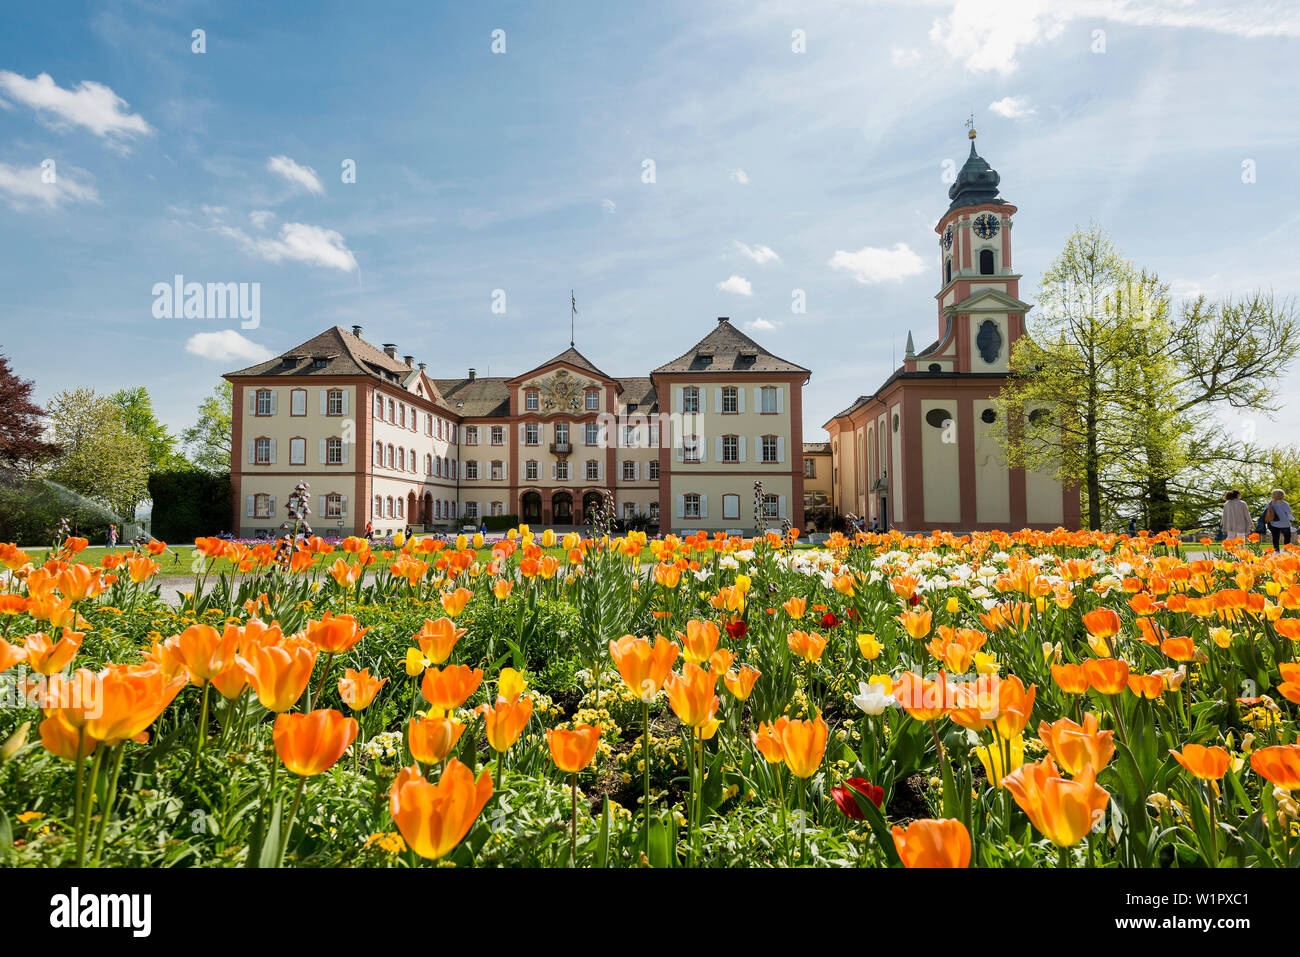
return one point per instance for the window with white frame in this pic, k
(654, 470)
(810, 467)
(262, 451)
(388, 507)
(654, 513)
(262, 506)
(731, 448)
(530, 433)
(769, 448)
(377, 507)
(691, 505)
(392, 415)
(771, 506)
(562, 433)
(730, 399)
(471, 470)
(629, 511)
(690, 449)
(593, 470)
(297, 451)
(767, 396)
(591, 434)
(334, 402)
(428, 464)
(690, 399)
(334, 451)
(629, 471)
(530, 470)
(388, 456)
(379, 406)
(498, 470)
(531, 400)
(333, 505)
(498, 508)
(471, 435)
(471, 510)
(263, 401)
(593, 400)
(630, 437)
(400, 507)
(401, 459)
(498, 435)
(562, 470)
(401, 414)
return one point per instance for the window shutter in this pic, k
(758, 398)
(740, 440)
(273, 451)
(343, 505)
(252, 404)
(780, 398)
(717, 447)
(740, 399)
(320, 451)
(541, 432)
(271, 506)
(600, 471)
(680, 405)
(717, 399)
(252, 451)
(320, 513)
(554, 470)
(703, 448)
(275, 403)
(704, 401)
(345, 402)
(680, 454)
(636, 471)
(681, 506)
(248, 505)
(780, 506)
(704, 506)
(654, 436)
(780, 446)
(345, 451)
(324, 401)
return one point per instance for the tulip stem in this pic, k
(645, 770)
(203, 721)
(109, 797)
(83, 833)
(81, 773)
(573, 821)
(288, 829)
(329, 658)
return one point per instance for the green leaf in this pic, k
(876, 819)
(269, 853)
(6, 835)
(660, 853)
(602, 838)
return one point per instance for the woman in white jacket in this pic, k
(1236, 521)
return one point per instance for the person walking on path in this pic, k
(370, 530)
(1236, 521)
(1278, 518)
(112, 536)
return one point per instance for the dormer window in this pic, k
(748, 358)
(318, 363)
(289, 361)
(704, 358)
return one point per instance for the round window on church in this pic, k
(895, 421)
(989, 416)
(938, 418)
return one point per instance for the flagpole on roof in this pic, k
(573, 311)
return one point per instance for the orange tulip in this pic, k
(667, 576)
(804, 744)
(10, 655)
(808, 646)
(203, 652)
(1014, 706)
(1279, 764)
(700, 640)
(1102, 623)
(933, 843)
(130, 699)
(310, 744)
(506, 720)
(573, 750)
(46, 656)
(769, 740)
(434, 818)
(454, 602)
(449, 687)
(437, 639)
(925, 700)
(1107, 675)
(335, 635)
(916, 623)
(1071, 679)
(358, 688)
(1074, 746)
(795, 607)
(344, 573)
(1208, 764)
(741, 683)
(431, 740)
(11, 604)
(60, 739)
(1147, 686)
(279, 672)
(141, 569)
(644, 667)
(691, 694)
(1061, 809)
(1179, 649)
(78, 582)
(501, 588)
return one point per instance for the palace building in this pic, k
(379, 440)
(916, 453)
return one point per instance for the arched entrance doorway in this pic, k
(590, 503)
(427, 512)
(562, 508)
(412, 516)
(531, 507)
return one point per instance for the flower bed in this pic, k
(1036, 699)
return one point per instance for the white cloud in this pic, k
(22, 187)
(871, 264)
(904, 57)
(740, 176)
(760, 254)
(296, 173)
(261, 218)
(90, 104)
(737, 284)
(225, 346)
(1012, 107)
(608, 205)
(987, 35)
(761, 325)
(314, 245)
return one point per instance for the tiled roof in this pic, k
(726, 349)
(640, 391)
(344, 354)
(814, 448)
(477, 397)
(571, 357)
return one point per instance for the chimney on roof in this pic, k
(410, 361)
(390, 349)
(421, 366)
(724, 318)
(356, 331)
(473, 374)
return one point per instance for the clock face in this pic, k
(986, 226)
(947, 237)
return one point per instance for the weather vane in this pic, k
(970, 125)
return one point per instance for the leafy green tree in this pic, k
(208, 440)
(22, 445)
(138, 416)
(100, 458)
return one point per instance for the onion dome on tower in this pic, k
(977, 182)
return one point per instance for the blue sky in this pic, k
(522, 171)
